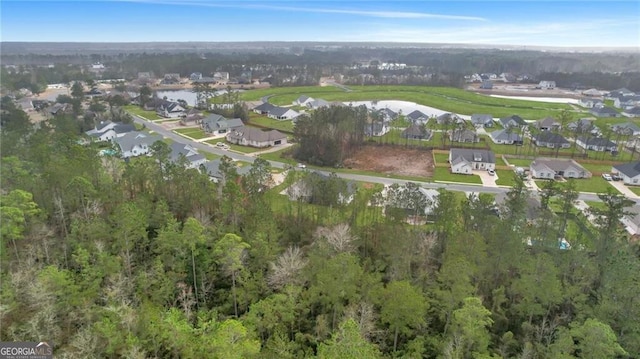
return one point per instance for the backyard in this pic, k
(265, 121)
(149, 115)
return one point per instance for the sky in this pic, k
(575, 23)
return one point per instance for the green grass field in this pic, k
(519, 162)
(136, 110)
(237, 148)
(443, 174)
(194, 133)
(444, 98)
(505, 178)
(441, 158)
(265, 121)
(595, 184)
(634, 189)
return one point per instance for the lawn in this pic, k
(277, 156)
(634, 189)
(444, 98)
(596, 204)
(237, 148)
(149, 115)
(520, 162)
(443, 174)
(595, 184)
(194, 133)
(265, 121)
(505, 178)
(441, 158)
(597, 169)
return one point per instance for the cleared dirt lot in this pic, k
(392, 160)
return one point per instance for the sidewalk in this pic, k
(271, 149)
(620, 186)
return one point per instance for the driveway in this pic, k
(623, 189)
(487, 179)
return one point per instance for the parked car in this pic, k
(222, 145)
(491, 172)
(606, 176)
(301, 165)
(616, 177)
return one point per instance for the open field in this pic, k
(444, 98)
(392, 160)
(194, 133)
(265, 121)
(149, 115)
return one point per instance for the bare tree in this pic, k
(339, 237)
(285, 269)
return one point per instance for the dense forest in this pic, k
(148, 259)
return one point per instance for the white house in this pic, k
(465, 160)
(169, 109)
(551, 167)
(631, 220)
(135, 144)
(107, 130)
(596, 144)
(282, 113)
(630, 172)
(303, 100)
(188, 152)
(254, 137)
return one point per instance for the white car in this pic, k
(301, 165)
(222, 145)
(491, 172)
(607, 177)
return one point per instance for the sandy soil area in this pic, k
(393, 160)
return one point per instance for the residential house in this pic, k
(548, 124)
(136, 143)
(416, 132)
(627, 128)
(592, 93)
(630, 172)
(482, 120)
(145, 75)
(302, 190)
(632, 112)
(107, 130)
(596, 144)
(282, 113)
(620, 93)
(195, 76)
(417, 117)
(449, 118)
(604, 112)
(171, 79)
(546, 85)
(513, 121)
(58, 109)
(394, 199)
(465, 160)
(181, 151)
(464, 135)
(550, 140)
(590, 102)
(254, 137)
(376, 128)
(318, 103)
(584, 125)
(26, 104)
(549, 168)
(532, 206)
(303, 100)
(506, 137)
(263, 108)
(386, 114)
(212, 169)
(626, 102)
(153, 104)
(94, 92)
(170, 109)
(216, 124)
(192, 115)
(631, 220)
(486, 85)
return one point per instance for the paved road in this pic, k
(354, 177)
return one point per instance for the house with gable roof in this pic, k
(417, 117)
(170, 109)
(417, 132)
(466, 160)
(506, 137)
(464, 135)
(548, 124)
(632, 112)
(180, 151)
(136, 143)
(255, 137)
(107, 130)
(217, 125)
(630, 172)
(282, 113)
(550, 140)
(599, 144)
(303, 100)
(482, 120)
(513, 121)
(549, 168)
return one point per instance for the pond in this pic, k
(405, 106)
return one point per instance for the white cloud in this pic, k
(367, 13)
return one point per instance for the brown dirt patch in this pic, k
(392, 160)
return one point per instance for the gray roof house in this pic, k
(548, 124)
(417, 116)
(604, 112)
(584, 125)
(533, 205)
(513, 121)
(181, 150)
(108, 130)
(550, 140)
(301, 190)
(135, 144)
(388, 114)
(632, 112)
(464, 135)
(627, 128)
(254, 137)
(630, 172)
(303, 100)
(263, 108)
(449, 118)
(416, 132)
(590, 102)
(482, 120)
(504, 137)
(170, 109)
(631, 220)
(549, 168)
(596, 144)
(318, 103)
(217, 124)
(465, 160)
(212, 168)
(282, 113)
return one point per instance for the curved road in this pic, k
(354, 177)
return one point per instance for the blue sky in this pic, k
(530, 23)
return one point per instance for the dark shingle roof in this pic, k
(630, 169)
(550, 137)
